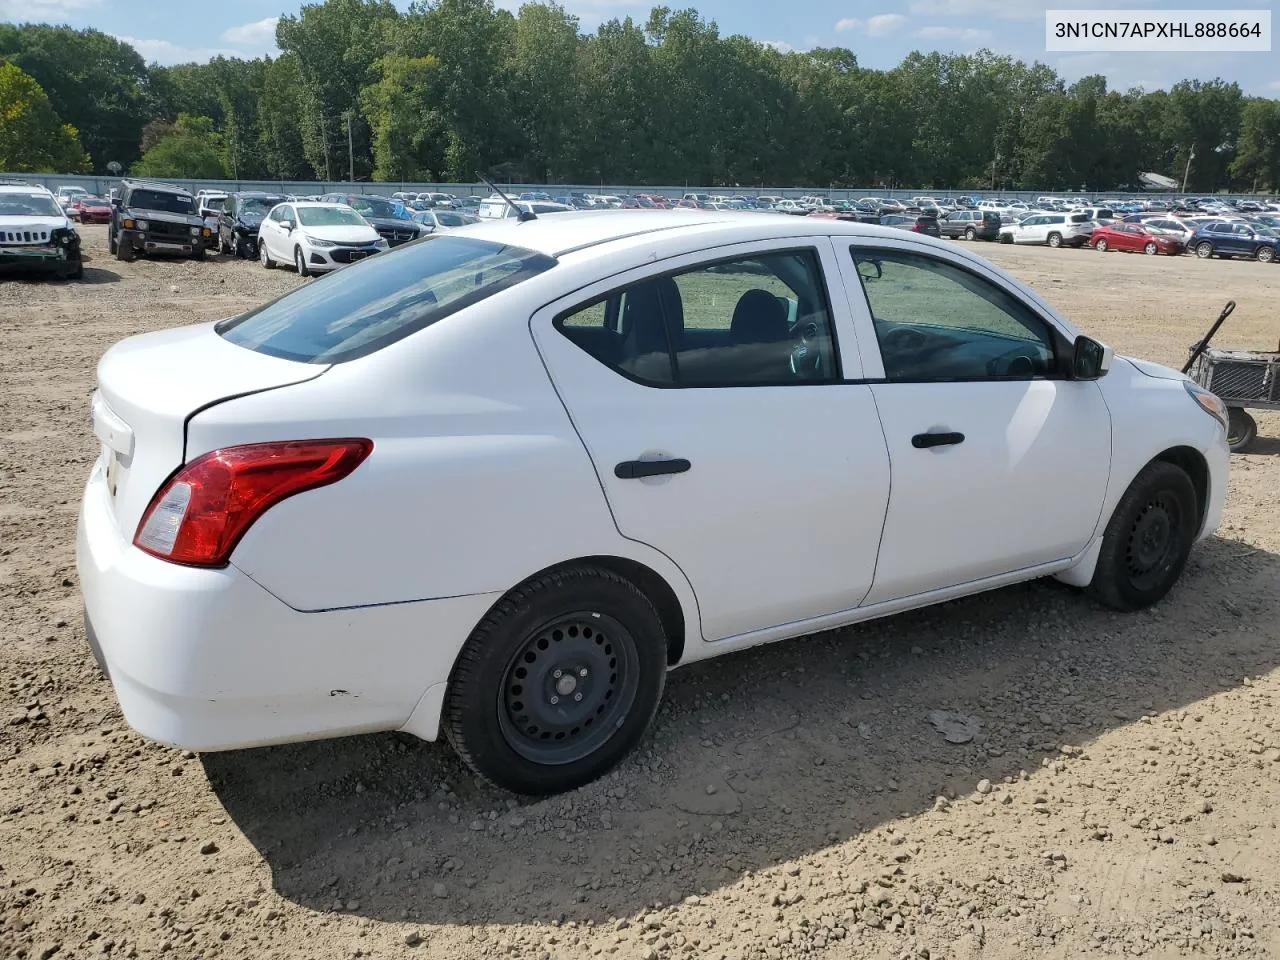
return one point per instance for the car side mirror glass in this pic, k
(870, 269)
(1090, 359)
(286, 224)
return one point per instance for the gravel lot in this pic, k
(1119, 794)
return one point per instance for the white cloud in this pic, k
(954, 34)
(259, 34)
(166, 53)
(780, 45)
(883, 24)
(33, 11)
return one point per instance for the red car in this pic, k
(91, 210)
(1134, 237)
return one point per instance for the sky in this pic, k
(880, 32)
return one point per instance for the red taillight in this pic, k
(200, 514)
(916, 227)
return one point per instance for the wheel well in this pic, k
(660, 594)
(1192, 462)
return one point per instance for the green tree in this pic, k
(95, 82)
(191, 149)
(1257, 162)
(32, 137)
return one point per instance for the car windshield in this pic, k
(449, 219)
(165, 202)
(330, 217)
(28, 205)
(356, 311)
(374, 207)
(259, 206)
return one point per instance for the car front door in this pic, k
(709, 392)
(999, 462)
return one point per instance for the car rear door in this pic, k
(708, 390)
(999, 463)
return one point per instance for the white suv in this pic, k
(36, 233)
(1055, 229)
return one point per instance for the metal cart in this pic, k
(1243, 379)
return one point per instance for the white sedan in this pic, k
(492, 485)
(316, 237)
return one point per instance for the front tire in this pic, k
(1055, 240)
(1150, 249)
(264, 256)
(1148, 539)
(300, 262)
(558, 682)
(1101, 245)
(1266, 254)
(124, 250)
(1242, 429)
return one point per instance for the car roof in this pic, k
(597, 230)
(27, 189)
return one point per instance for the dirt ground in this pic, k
(1120, 795)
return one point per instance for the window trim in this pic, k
(1061, 346)
(836, 379)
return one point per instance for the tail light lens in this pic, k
(200, 514)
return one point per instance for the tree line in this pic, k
(449, 87)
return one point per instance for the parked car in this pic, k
(438, 221)
(970, 225)
(66, 196)
(316, 237)
(1055, 229)
(793, 207)
(36, 234)
(395, 227)
(209, 208)
(1223, 239)
(89, 209)
(495, 208)
(917, 223)
(468, 440)
(241, 219)
(149, 217)
(1134, 238)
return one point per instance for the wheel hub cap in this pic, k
(1152, 542)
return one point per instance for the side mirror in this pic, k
(1090, 359)
(287, 225)
(870, 269)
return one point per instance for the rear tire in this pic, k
(1055, 240)
(558, 682)
(970, 234)
(1242, 429)
(1148, 539)
(1101, 245)
(1204, 250)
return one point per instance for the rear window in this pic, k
(357, 311)
(1079, 218)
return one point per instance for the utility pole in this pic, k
(1187, 173)
(324, 140)
(351, 153)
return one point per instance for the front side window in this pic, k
(754, 321)
(363, 308)
(937, 321)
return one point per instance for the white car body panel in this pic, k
(342, 609)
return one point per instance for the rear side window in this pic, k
(360, 309)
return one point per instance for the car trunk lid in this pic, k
(150, 385)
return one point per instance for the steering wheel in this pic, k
(806, 359)
(903, 340)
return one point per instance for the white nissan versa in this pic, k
(494, 483)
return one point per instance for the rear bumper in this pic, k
(209, 660)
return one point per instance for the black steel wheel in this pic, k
(567, 686)
(558, 682)
(1242, 429)
(1148, 538)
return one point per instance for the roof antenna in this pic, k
(521, 215)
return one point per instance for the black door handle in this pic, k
(922, 441)
(635, 469)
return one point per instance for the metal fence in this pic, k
(100, 185)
